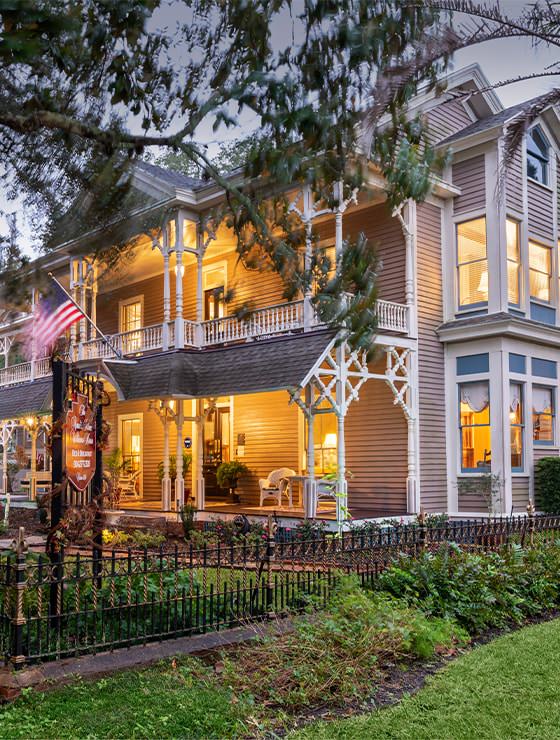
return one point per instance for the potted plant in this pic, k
(228, 474)
(116, 466)
(187, 460)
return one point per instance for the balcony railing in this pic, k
(264, 322)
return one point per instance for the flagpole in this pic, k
(97, 329)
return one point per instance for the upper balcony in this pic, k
(263, 323)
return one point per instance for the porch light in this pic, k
(31, 422)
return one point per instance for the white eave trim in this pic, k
(508, 327)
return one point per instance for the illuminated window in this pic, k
(540, 271)
(474, 423)
(325, 443)
(472, 262)
(130, 324)
(543, 414)
(516, 425)
(513, 261)
(214, 281)
(131, 441)
(537, 155)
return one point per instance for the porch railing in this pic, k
(260, 323)
(264, 322)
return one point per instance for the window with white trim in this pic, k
(474, 426)
(538, 155)
(516, 420)
(513, 261)
(540, 271)
(472, 263)
(543, 414)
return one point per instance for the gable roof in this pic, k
(489, 122)
(171, 177)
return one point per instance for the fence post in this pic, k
(20, 547)
(270, 557)
(531, 522)
(422, 531)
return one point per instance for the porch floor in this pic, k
(326, 510)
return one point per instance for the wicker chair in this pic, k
(276, 485)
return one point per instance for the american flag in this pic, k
(53, 315)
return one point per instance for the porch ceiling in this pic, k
(254, 367)
(28, 398)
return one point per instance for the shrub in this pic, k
(188, 519)
(334, 655)
(547, 484)
(478, 591)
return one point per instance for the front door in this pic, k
(217, 448)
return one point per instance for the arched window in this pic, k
(537, 155)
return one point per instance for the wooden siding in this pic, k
(270, 427)
(544, 451)
(152, 441)
(471, 501)
(376, 446)
(540, 210)
(432, 411)
(261, 288)
(519, 494)
(385, 233)
(514, 183)
(446, 119)
(469, 175)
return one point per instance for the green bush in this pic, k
(547, 484)
(478, 591)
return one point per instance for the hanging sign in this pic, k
(80, 441)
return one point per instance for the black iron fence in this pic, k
(80, 601)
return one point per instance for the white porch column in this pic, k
(166, 292)
(82, 323)
(179, 272)
(413, 438)
(33, 472)
(341, 484)
(310, 486)
(74, 294)
(33, 337)
(166, 480)
(197, 454)
(308, 313)
(339, 194)
(179, 480)
(93, 299)
(199, 295)
(6, 434)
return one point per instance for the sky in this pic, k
(499, 60)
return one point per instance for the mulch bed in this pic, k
(27, 518)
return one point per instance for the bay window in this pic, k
(543, 414)
(516, 425)
(513, 261)
(472, 263)
(540, 271)
(474, 426)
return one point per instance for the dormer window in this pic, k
(538, 152)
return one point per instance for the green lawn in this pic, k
(506, 689)
(161, 702)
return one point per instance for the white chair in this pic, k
(326, 488)
(276, 485)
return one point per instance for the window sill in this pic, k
(541, 184)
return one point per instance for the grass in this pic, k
(171, 700)
(505, 689)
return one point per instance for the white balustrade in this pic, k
(392, 316)
(264, 322)
(260, 323)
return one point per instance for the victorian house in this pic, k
(462, 387)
